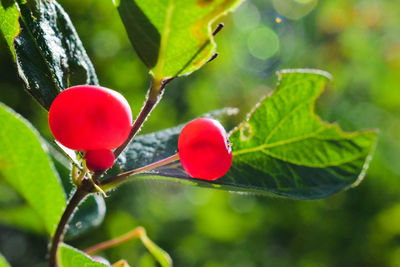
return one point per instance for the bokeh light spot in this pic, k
(247, 17)
(294, 9)
(263, 43)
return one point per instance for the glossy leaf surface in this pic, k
(50, 56)
(282, 148)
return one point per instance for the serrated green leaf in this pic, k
(26, 167)
(282, 149)
(3, 262)
(295, 153)
(71, 257)
(9, 26)
(173, 37)
(50, 56)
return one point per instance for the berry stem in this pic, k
(154, 95)
(81, 192)
(120, 178)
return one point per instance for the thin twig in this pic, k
(80, 193)
(153, 97)
(121, 177)
(135, 233)
(162, 257)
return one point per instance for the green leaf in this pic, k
(281, 149)
(71, 257)
(50, 56)
(22, 216)
(90, 212)
(173, 37)
(149, 148)
(9, 26)
(3, 262)
(26, 167)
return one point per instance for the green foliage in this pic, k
(282, 148)
(90, 214)
(71, 257)
(173, 37)
(3, 262)
(9, 26)
(22, 216)
(26, 167)
(50, 55)
(354, 41)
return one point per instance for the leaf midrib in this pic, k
(159, 68)
(54, 79)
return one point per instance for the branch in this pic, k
(120, 178)
(162, 257)
(153, 97)
(80, 193)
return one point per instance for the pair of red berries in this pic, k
(97, 120)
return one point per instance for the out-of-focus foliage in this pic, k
(356, 41)
(26, 171)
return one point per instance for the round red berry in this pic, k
(90, 117)
(99, 160)
(204, 149)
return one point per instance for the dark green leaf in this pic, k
(173, 37)
(90, 212)
(26, 167)
(50, 56)
(9, 26)
(149, 148)
(281, 149)
(71, 257)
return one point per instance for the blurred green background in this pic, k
(357, 41)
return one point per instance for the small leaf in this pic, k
(9, 25)
(71, 257)
(3, 262)
(282, 148)
(50, 56)
(26, 167)
(172, 37)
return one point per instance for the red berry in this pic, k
(99, 160)
(88, 117)
(204, 149)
